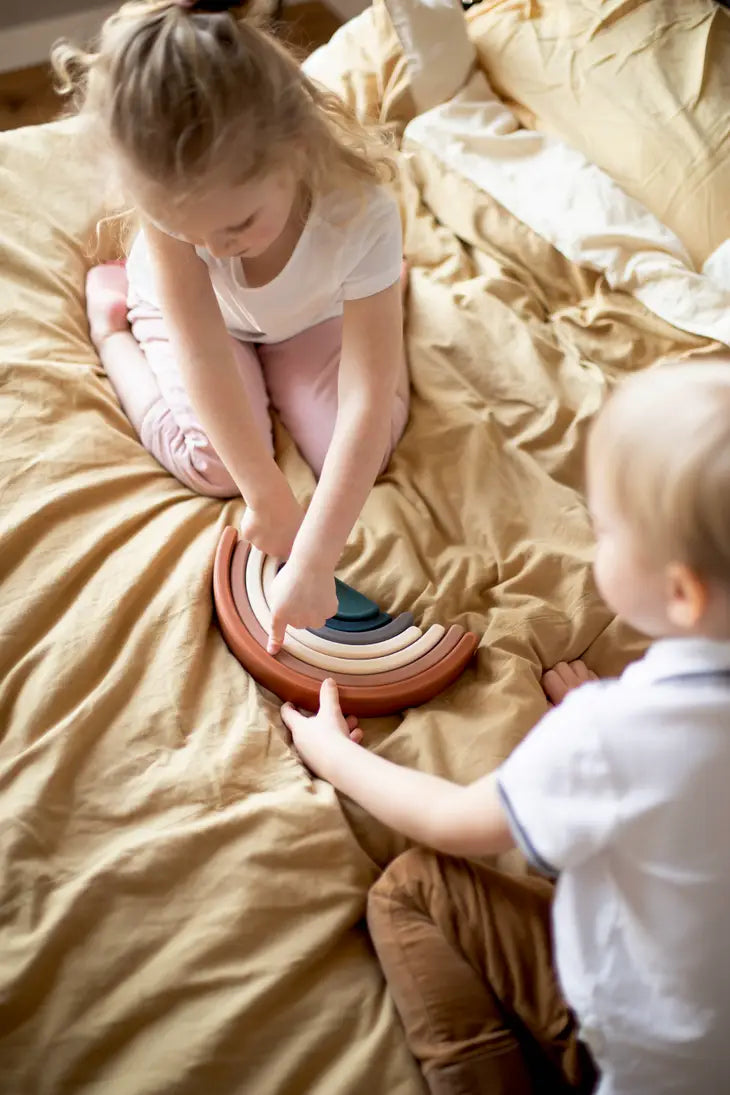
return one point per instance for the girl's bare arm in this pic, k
(372, 348)
(206, 362)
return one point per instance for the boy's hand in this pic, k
(316, 736)
(564, 677)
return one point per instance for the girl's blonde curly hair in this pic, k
(192, 91)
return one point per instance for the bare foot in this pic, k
(564, 677)
(106, 301)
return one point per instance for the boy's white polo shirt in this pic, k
(623, 791)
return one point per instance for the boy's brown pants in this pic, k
(467, 954)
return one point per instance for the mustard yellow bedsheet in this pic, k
(181, 904)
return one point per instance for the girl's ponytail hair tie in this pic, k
(209, 6)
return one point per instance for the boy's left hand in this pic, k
(315, 735)
(564, 677)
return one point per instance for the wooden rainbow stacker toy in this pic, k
(382, 664)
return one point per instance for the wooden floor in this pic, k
(27, 96)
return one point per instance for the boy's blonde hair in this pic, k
(189, 93)
(662, 447)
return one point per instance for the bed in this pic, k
(182, 904)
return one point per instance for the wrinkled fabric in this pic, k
(182, 903)
(640, 87)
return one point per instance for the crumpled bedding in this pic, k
(640, 87)
(182, 903)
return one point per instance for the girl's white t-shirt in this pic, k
(350, 247)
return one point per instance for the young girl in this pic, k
(267, 271)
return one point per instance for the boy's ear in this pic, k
(686, 596)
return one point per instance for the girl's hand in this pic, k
(300, 598)
(315, 737)
(273, 529)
